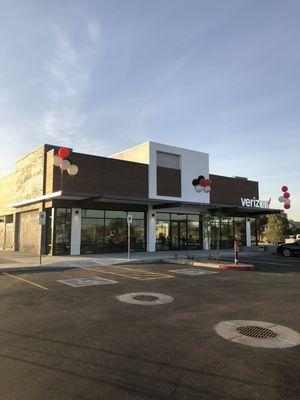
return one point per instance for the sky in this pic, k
(221, 77)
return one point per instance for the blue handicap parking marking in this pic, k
(89, 281)
(192, 271)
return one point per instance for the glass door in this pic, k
(178, 235)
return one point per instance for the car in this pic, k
(289, 249)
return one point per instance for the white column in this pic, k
(76, 231)
(151, 227)
(248, 232)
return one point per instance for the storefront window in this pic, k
(253, 227)
(163, 238)
(240, 230)
(178, 231)
(62, 235)
(92, 231)
(106, 231)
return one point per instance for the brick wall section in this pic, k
(7, 193)
(30, 175)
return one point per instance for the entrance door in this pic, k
(178, 235)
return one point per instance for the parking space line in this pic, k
(139, 277)
(25, 280)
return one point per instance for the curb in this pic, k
(37, 269)
(240, 267)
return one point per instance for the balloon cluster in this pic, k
(285, 198)
(61, 160)
(201, 183)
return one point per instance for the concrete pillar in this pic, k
(151, 227)
(76, 231)
(248, 232)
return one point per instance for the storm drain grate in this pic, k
(257, 332)
(143, 297)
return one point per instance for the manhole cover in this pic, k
(143, 297)
(257, 332)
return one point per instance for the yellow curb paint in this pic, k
(25, 280)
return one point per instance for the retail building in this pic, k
(169, 192)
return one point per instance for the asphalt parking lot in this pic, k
(62, 341)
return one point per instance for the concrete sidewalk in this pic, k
(15, 261)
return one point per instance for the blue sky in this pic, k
(216, 76)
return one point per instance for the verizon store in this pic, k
(169, 193)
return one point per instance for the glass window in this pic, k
(62, 231)
(115, 234)
(193, 217)
(92, 214)
(193, 234)
(137, 235)
(163, 239)
(178, 217)
(163, 216)
(115, 214)
(137, 215)
(253, 227)
(240, 230)
(92, 232)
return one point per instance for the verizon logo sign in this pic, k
(255, 203)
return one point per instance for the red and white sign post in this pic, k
(236, 252)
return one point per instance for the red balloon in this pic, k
(286, 195)
(287, 206)
(284, 188)
(208, 182)
(63, 152)
(202, 182)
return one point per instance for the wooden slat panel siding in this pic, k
(168, 182)
(107, 176)
(228, 191)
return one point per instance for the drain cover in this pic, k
(257, 332)
(143, 297)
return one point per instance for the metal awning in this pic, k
(158, 204)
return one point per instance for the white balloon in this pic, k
(65, 165)
(281, 199)
(73, 170)
(57, 160)
(206, 189)
(198, 188)
(287, 201)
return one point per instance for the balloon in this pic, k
(200, 177)
(287, 206)
(73, 170)
(63, 152)
(195, 182)
(286, 195)
(202, 182)
(57, 160)
(65, 165)
(281, 199)
(208, 182)
(206, 189)
(284, 188)
(198, 188)
(287, 201)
